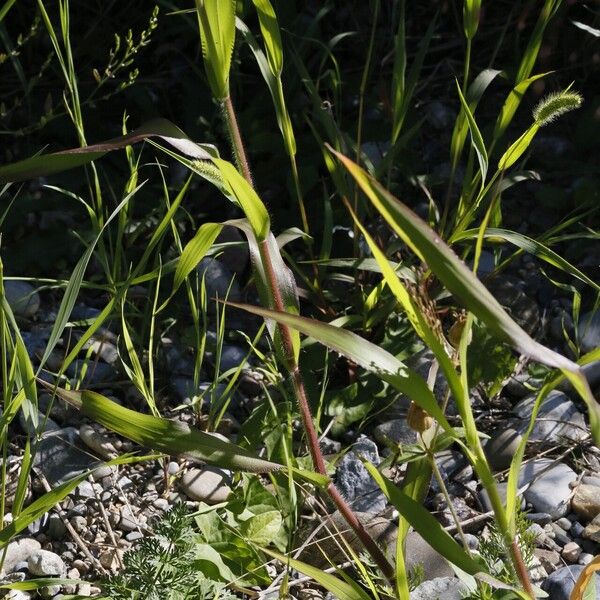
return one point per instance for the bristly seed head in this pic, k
(554, 105)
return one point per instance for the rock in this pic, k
(105, 349)
(232, 357)
(560, 584)
(591, 480)
(586, 501)
(218, 279)
(56, 529)
(585, 558)
(448, 462)
(440, 588)
(558, 419)
(97, 442)
(521, 308)
(396, 431)
(111, 559)
(440, 116)
(549, 559)
(17, 595)
(589, 331)
(58, 457)
(571, 552)
(43, 425)
(51, 591)
(323, 548)
(539, 518)
(91, 372)
(502, 488)
(353, 479)
(310, 594)
(592, 531)
(549, 491)
(207, 484)
(17, 552)
(22, 298)
(501, 447)
(43, 563)
(129, 520)
(235, 258)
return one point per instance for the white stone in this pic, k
(17, 552)
(208, 484)
(44, 563)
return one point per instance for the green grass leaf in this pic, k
(271, 36)
(342, 590)
(163, 435)
(48, 164)
(248, 200)
(527, 244)
(216, 21)
(364, 353)
(517, 148)
(425, 523)
(512, 102)
(464, 285)
(194, 251)
(476, 138)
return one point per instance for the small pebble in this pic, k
(161, 504)
(564, 523)
(43, 563)
(560, 535)
(571, 552)
(540, 518)
(133, 536)
(577, 529)
(585, 558)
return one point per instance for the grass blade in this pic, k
(527, 244)
(465, 286)
(364, 353)
(245, 196)
(74, 285)
(170, 437)
(512, 102)
(48, 164)
(476, 138)
(194, 252)
(216, 21)
(341, 589)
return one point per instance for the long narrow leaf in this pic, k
(216, 21)
(74, 285)
(527, 244)
(48, 164)
(343, 590)
(364, 353)
(465, 286)
(170, 437)
(426, 524)
(476, 136)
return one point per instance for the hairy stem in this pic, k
(237, 145)
(521, 568)
(292, 365)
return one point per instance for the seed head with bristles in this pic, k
(554, 105)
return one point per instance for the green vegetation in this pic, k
(361, 253)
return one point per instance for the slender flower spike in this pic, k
(554, 105)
